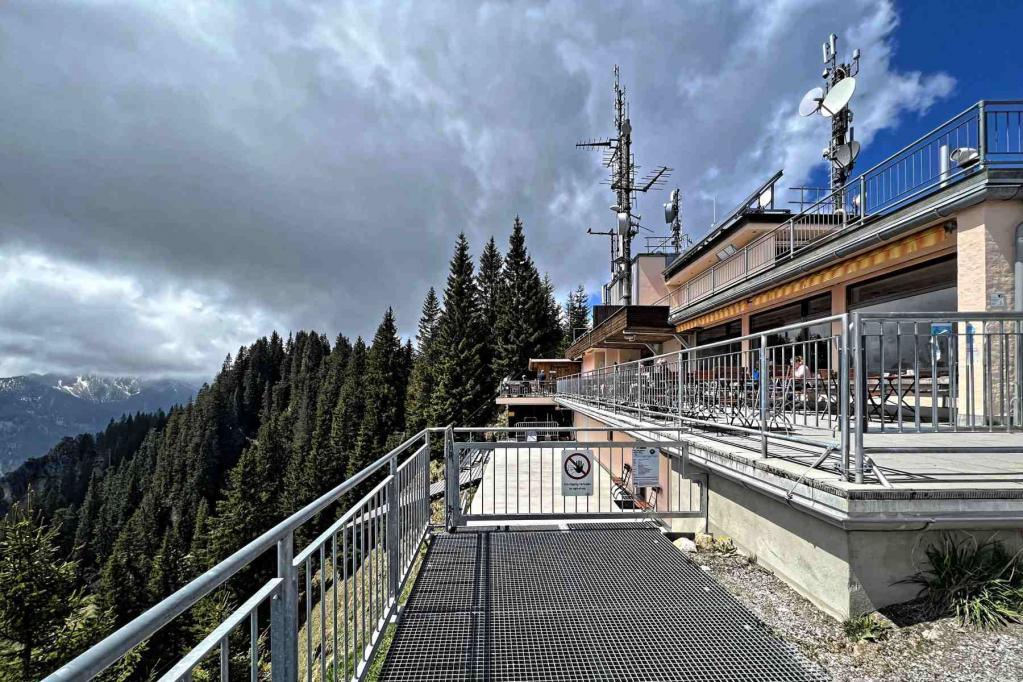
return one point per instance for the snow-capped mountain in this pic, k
(37, 410)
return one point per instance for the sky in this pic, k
(179, 178)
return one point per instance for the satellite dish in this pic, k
(964, 157)
(845, 154)
(811, 102)
(838, 97)
(764, 200)
(669, 213)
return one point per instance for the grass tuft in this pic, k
(980, 583)
(866, 628)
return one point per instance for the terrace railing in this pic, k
(829, 385)
(992, 129)
(325, 610)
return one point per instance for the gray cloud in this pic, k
(175, 180)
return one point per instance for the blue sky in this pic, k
(977, 43)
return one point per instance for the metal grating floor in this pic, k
(591, 603)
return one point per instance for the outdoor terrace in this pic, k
(885, 400)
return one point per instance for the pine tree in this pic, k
(551, 325)
(521, 322)
(425, 367)
(462, 391)
(42, 613)
(385, 380)
(577, 315)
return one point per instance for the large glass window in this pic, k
(808, 343)
(722, 332)
(906, 346)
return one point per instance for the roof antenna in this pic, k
(832, 102)
(673, 216)
(619, 160)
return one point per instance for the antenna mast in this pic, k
(832, 102)
(841, 121)
(619, 160)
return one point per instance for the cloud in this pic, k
(229, 168)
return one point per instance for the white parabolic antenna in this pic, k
(845, 154)
(811, 102)
(838, 97)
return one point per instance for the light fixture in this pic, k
(727, 252)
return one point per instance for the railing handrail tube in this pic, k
(110, 649)
(203, 648)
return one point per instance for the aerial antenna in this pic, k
(617, 157)
(832, 101)
(673, 216)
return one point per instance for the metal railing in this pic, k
(528, 388)
(993, 129)
(829, 385)
(523, 480)
(328, 604)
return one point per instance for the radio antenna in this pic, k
(832, 102)
(619, 160)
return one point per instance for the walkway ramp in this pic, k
(583, 602)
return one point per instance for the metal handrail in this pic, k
(887, 372)
(850, 203)
(284, 615)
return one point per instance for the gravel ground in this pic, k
(917, 651)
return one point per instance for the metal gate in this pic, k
(579, 474)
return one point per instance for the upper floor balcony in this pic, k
(988, 135)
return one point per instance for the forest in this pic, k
(107, 524)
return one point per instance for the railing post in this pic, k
(763, 395)
(982, 133)
(451, 473)
(863, 198)
(284, 615)
(792, 238)
(393, 532)
(843, 396)
(859, 387)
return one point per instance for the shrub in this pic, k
(980, 583)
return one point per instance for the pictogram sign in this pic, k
(576, 473)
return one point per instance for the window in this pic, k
(722, 332)
(899, 346)
(808, 342)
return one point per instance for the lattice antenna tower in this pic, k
(673, 217)
(620, 162)
(832, 102)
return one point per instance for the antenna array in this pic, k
(833, 102)
(617, 157)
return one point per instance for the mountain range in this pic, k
(37, 410)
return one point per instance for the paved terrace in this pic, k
(596, 602)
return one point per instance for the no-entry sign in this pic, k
(576, 473)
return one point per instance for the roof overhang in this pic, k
(629, 327)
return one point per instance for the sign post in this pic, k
(576, 473)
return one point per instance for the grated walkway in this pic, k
(596, 602)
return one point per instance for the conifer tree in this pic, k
(39, 600)
(577, 315)
(462, 391)
(385, 381)
(521, 320)
(551, 329)
(425, 367)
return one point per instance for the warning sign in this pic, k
(646, 467)
(576, 473)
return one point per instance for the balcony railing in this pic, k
(528, 389)
(840, 385)
(993, 129)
